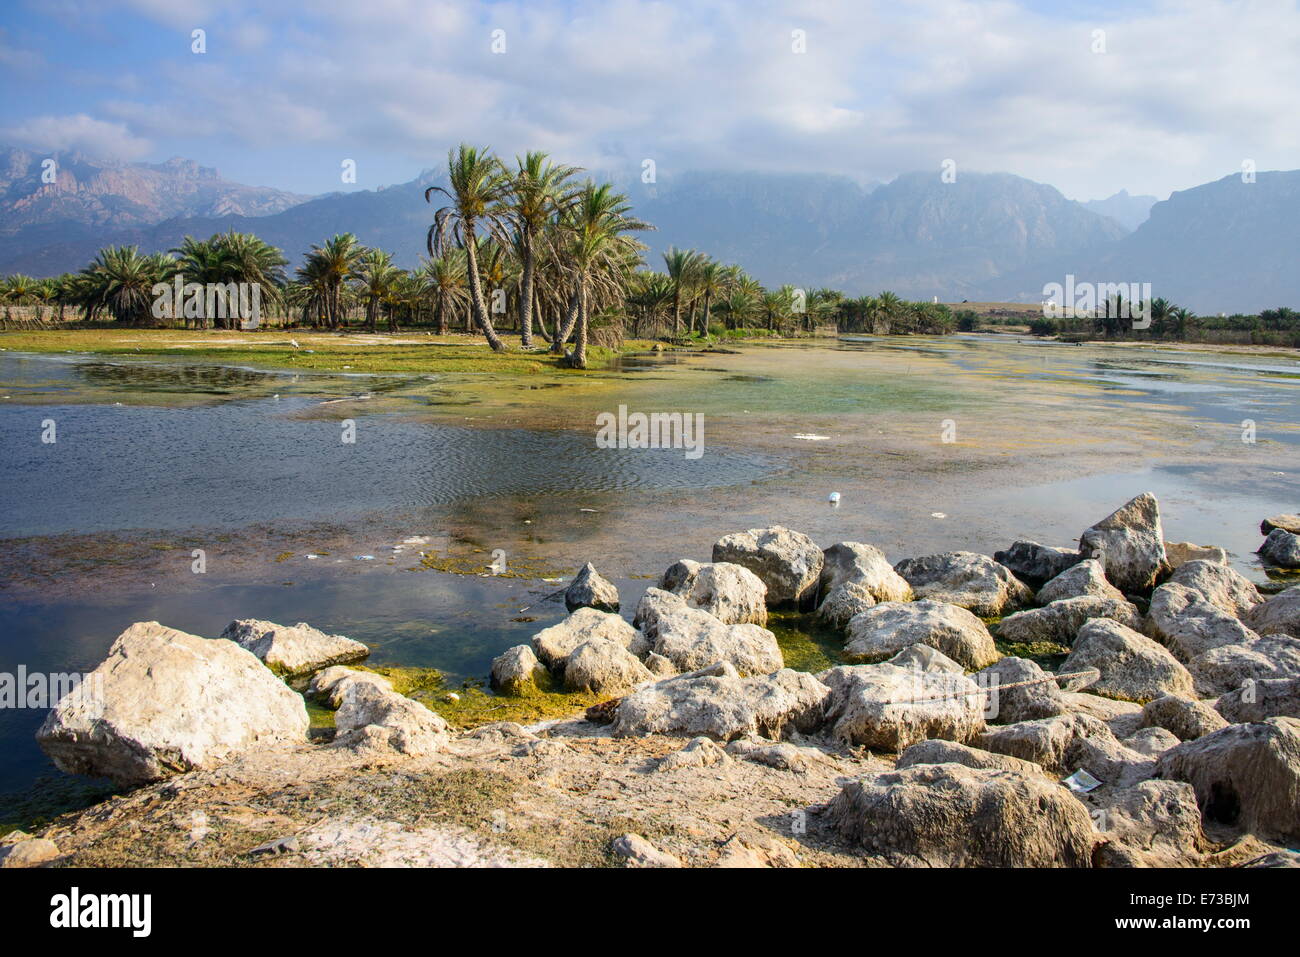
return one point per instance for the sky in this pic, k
(1089, 97)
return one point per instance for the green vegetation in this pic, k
(805, 645)
(526, 247)
(1114, 320)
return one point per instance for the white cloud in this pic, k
(1182, 95)
(78, 132)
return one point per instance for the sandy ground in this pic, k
(499, 796)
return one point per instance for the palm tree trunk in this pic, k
(580, 338)
(562, 333)
(477, 306)
(541, 317)
(441, 312)
(526, 296)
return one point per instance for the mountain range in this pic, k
(1223, 246)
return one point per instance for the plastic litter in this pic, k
(1081, 782)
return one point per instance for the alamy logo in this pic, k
(653, 430)
(213, 300)
(1082, 300)
(41, 691)
(74, 909)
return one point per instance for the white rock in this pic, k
(788, 562)
(1085, 578)
(1132, 666)
(883, 631)
(164, 702)
(691, 639)
(604, 667)
(731, 593)
(966, 579)
(1130, 544)
(293, 649)
(554, 644)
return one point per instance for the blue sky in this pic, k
(1181, 93)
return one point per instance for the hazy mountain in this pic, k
(86, 192)
(916, 235)
(1226, 246)
(1222, 246)
(1129, 211)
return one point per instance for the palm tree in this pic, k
(537, 193)
(479, 186)
(741, 300)
(375, 279)
(444, 280)
(682, 265)
(233, 257)
(19, 289)
(600, 256)
(712, 280)
(330, 266)
(121, 281)
(649, 293)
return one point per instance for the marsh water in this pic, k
(153, 459)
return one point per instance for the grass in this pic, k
(805, 644)
(410, 352)
(473, 705)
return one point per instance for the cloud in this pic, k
(1183, 93)
(81, 133)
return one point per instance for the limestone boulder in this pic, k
(589, 589)
(517, 671)
(864, 565)
(843, 602)
(950, 815)
(1222, 670)
(1189, 623)
(1151, 741)
(293, 650)
(165, 702)
(1281, 549)
(723, 705)
(1288, 522)
(1045, 741)
(1186, 718)
(1019, 690)
(654, 604)
(1245, 775)
(1085, 578)
(1260, 700)
(1036, 564)
(1061, 620)
(692, 639)
(1279, 615)
(731, 593)
(1178, 554)
(889, 708)
(602, 666)
(788, 562)
(1223, 586)
(1132, 667)
(937, 751)
(1130, 544)
(966, 579)
(372, 716)
(554, 644)
(1154, 824)
(330, 683)
(883, 631)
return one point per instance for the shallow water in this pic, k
(160, 447)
